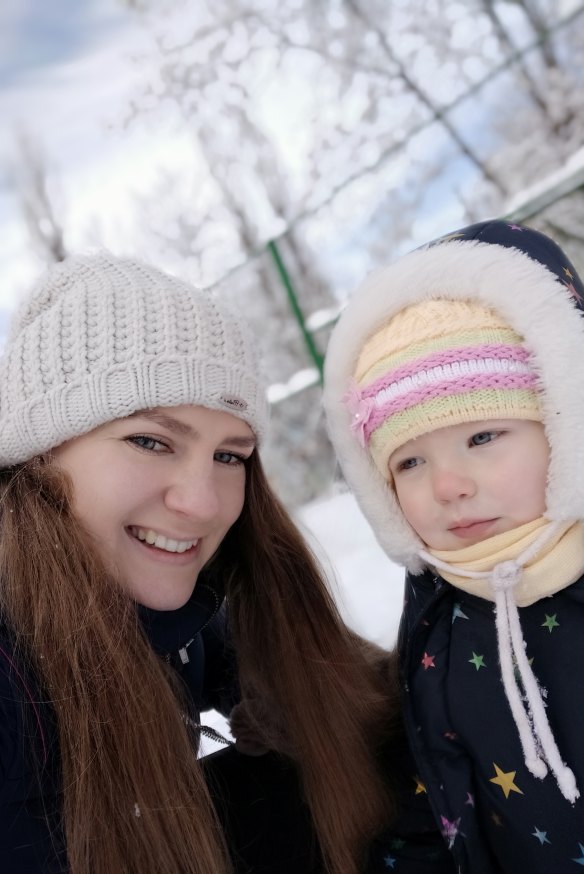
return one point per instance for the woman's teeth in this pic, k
(160, 541)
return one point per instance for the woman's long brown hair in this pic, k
(134, 798)
(294, 650)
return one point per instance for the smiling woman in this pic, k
(160, 493)
(132, 502)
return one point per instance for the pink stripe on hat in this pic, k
(494, 351)
(435, 364)
(447, 388)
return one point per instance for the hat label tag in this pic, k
(238, 403)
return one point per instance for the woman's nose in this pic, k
(194, 493)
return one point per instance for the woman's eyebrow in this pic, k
(164, 420)
(182, 428)
(243, 442)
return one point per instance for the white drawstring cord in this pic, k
(537, 739)
(504, 578)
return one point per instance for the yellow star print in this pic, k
(419, 786)
(505, 781)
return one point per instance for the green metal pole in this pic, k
(293, 299)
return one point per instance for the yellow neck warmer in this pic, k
(555, 566)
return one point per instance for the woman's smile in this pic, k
(160, 489)
(163, 550)
(161, 541)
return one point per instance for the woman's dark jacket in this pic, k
(270, 831)
(258, 799)
(496, 816)
(193, 639)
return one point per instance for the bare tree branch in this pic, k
(45, 230)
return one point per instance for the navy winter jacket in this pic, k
(269, 828)
(259, 799)
(494, 814)
(31, 840)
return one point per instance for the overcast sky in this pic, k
(67, 73)
(65, 78)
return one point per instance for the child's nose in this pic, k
(450, 484)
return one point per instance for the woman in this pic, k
(132, 501)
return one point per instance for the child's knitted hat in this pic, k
(435, 364)
(101, 337)
(506, 303)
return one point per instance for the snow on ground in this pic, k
(367, 586)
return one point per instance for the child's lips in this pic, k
(467, 528)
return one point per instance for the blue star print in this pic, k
(389, 862)
(580, 861)
(457, 612)
(541, 836)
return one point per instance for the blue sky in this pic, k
(65, 78)
(35, 34)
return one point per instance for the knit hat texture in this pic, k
(101, 337)
(436, 364)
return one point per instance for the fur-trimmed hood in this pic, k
(529, 281)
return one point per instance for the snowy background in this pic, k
(202, 134)
(199, 134)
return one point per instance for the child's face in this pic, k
(459, 485)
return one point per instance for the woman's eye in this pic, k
(483, 437)
(229, 458)
(150, 444)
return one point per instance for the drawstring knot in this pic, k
(505, 575)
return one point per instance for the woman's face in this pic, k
(159, 491)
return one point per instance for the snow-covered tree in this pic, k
(347, 125)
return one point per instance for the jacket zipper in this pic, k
(411, 728)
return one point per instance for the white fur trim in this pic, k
(532, 301)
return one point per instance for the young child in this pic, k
(455, 397)
(132, 503)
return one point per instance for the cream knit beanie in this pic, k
(100, 337)
(435, 364)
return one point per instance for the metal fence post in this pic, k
(296, 309)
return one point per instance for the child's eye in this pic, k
(148, 444)
(483, 437)
(408, 463)
(229, 458)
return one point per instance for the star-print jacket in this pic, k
(413, 844)
(495, 816)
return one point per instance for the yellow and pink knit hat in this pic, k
(434, 364)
